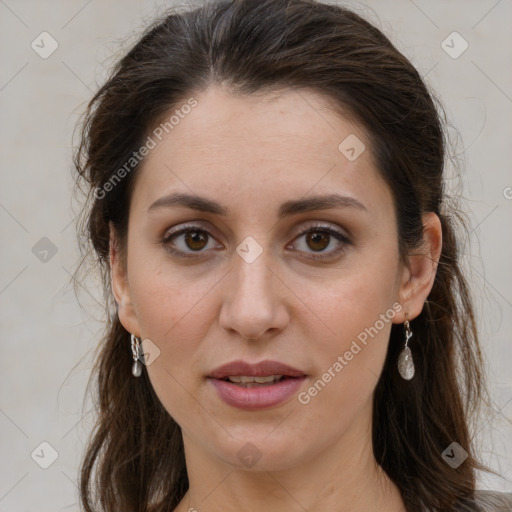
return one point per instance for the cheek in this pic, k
(349, 366)
(165, 299)
(344, 307)
(172, 312)
(350, 340)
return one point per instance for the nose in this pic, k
(254, 300)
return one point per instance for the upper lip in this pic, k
(261, 369)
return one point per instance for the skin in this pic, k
(251, 154)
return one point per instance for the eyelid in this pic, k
(183, 228)
(321, 225)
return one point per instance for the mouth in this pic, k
(246, 381)
(256, 386)
(263, 373)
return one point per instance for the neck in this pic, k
(343, 478)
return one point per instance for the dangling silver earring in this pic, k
(136, 367)
(405, 362)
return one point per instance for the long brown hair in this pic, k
(135, 460)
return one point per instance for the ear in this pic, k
(120, 286)
(418, 276)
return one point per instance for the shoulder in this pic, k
(493, 501)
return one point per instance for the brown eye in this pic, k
(315, 240)
(318, 240)
(188, 240)
(196, 240)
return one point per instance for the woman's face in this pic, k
(249, 284)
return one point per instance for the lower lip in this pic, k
(262, 397)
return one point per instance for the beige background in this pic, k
(46, 339)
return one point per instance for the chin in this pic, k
(256, 451)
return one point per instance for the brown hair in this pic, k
(135, 459)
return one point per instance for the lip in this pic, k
(260, 397)
(261, 369)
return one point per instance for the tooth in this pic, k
(244, 379)
(262, 380)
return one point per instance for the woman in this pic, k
(290, 329)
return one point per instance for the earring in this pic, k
(136, 368)
(405, 362)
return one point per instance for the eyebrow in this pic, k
(287, 208)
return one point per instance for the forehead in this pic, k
(281, 144)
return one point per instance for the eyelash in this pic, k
(312, 229)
